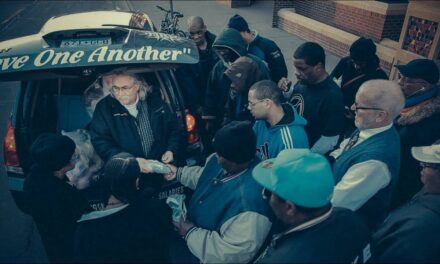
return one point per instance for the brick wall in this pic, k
(351, 19)
(235, 3)
(393, 26)
(322, 11)
(277, 5)
(332, 45)
(359, 22)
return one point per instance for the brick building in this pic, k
(336, 24)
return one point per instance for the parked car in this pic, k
(71, 52)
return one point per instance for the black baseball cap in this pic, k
(420, 69)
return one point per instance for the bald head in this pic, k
(195, 21)
(383, 94)
(197, 30)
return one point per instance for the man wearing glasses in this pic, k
(278, 126)
(132, 119)
(410, 233)
(366, 165)
(418, 123)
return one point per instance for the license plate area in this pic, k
(85, 42)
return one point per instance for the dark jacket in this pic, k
(341, 238)
(352, 79)
(136, 233)
(113, 130)
(269, 51)
(217, 90)
(193, 78)
(55, 206)
(417, 126)
(244, 72)
(411, 233)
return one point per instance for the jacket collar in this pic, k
(428, 200)
(100, 214)
(305, 225)
(153, 104)
(420, 111)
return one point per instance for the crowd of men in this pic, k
(295, 173)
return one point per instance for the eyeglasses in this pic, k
(200, 32)
(252, 104)
(430, 165)
(124, 89)
(355, 107)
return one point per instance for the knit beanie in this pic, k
(237, 22)
(236, 142)
(363, 50)
(120, 174)
(52, 152)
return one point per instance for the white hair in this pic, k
(144, 87)
(384, 94)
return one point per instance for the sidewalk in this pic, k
(216, 16)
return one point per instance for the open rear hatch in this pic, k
(73, 52)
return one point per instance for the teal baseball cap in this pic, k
(298, 176)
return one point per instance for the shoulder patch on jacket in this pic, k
(275, 54)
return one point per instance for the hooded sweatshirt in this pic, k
(288, 133)
(218, 84)
(244, 72)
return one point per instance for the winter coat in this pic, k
(55, 206)
(419, 126)
(218, 84)
(338, 236)
(193, 78)
(269, 51)
(352, 79)
(113, 130)
(244, 72)
(410, 233)
(137, 232)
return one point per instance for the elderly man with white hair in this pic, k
(367, 164)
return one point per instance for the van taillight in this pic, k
(193, 136)
(9, 147)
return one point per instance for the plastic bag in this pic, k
(177, 204)
(156, 167)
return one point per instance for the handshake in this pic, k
(154, 166)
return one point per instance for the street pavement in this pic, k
(217, 14)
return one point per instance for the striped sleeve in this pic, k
(286, 137)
